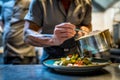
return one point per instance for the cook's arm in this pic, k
(62, 32)
(31, 35)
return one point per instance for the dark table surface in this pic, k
(38, 72)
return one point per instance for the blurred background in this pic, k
(104, 12)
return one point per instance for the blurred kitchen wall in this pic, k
(103, 13)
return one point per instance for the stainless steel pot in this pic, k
(108, 38)
(95, 42)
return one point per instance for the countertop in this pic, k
(39, 72)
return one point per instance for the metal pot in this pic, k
(95, 42)
(108, 38)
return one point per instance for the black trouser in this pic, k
(18, 60)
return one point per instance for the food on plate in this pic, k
(73, 60)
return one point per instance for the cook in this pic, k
(58, 18)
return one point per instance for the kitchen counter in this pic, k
(39, 72)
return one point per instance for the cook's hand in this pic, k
(84, 31)
(63, 32)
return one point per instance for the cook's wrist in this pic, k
(53, 42)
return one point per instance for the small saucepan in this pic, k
(95, 42)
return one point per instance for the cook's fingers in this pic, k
(66, 25)
(60, 31)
